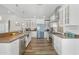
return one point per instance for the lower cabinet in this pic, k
(57, 44)
(28, 39)
(70, 47)
(64, 46)
(16, 47)
(11, 48)
(34, 34)
(22, 45)
(46, 35)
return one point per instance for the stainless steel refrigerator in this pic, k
(40, 31)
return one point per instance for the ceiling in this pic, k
(29, 10)
(5, 11)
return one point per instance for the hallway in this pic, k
(40, 47)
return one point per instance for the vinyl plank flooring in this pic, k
(40, 47)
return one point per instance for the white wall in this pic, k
(16, 23)
(3, 27)
(13, 19)
(3, 24)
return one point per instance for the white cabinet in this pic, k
(11, 48)
(64, 14)
(46, 24)
(68, 47)
(74, 14)
(46, 35)
(34, 34)
(69, 14)
(16, 47)
(64, 46)
(68, 18)
(77, 46)
(57, 44)
(22, 45)
(28, 39)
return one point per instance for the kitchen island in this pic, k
(12, 43)
(65, 45)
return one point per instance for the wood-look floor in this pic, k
(40, 47)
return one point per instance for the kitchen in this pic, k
(55, 26)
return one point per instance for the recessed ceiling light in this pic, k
(8, 11)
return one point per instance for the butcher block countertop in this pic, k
(10, 36)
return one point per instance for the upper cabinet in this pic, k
(70, 14)
(74, 14)
(66, 17)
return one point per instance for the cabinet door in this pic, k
(14, 47)
(27, 39)
(76, 46)
(22, 45)
(33, 34)
(68, 47)
(66, 14)
(57, 44)
(74, 14)
(61, 17)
